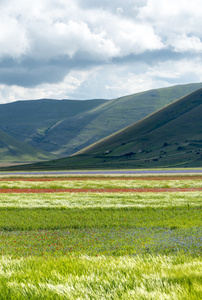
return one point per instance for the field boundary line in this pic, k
(99, 190)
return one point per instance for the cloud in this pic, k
(61, 90)
(173, 17)
(185, 43)
(88, 48)
(14, 41)
(127, 7)
(110, 81)
(64, 29)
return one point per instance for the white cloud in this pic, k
(183, 69)
(185, 43)
(129, 79)
(170, 17)
(170, 9)
(71, 38)
(13, 38)
(53, 28)
(90, 49)
(58, 28)
(136, 38)
(119, 10)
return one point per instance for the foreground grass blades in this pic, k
(84, 277)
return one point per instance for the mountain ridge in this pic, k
(154, 119)
(81, 123)
(169, 137)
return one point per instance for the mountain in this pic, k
(63, 127)
(12, 150)
(170, 137)
(31, 121)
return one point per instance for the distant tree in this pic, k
(129, 154)
(180, 148)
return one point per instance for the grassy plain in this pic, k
(101, 245)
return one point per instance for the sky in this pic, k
(87, 49)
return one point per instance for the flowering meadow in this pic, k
(101, 237)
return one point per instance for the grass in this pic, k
(12, 151)
(104, 184)
(101, 246)
(85, 200)
(98, 217)
(108, 241)
(140, 277)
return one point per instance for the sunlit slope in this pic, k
(12, 150)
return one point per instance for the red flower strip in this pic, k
(102, 178)
(115, 190)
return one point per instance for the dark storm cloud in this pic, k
(31, 73)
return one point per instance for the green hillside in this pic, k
(30, 121)
(75, 133)
(63, 127)
(12, 150)
(170, 137)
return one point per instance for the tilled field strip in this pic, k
(100, 190)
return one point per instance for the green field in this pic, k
(104, 183)
(86, 245)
